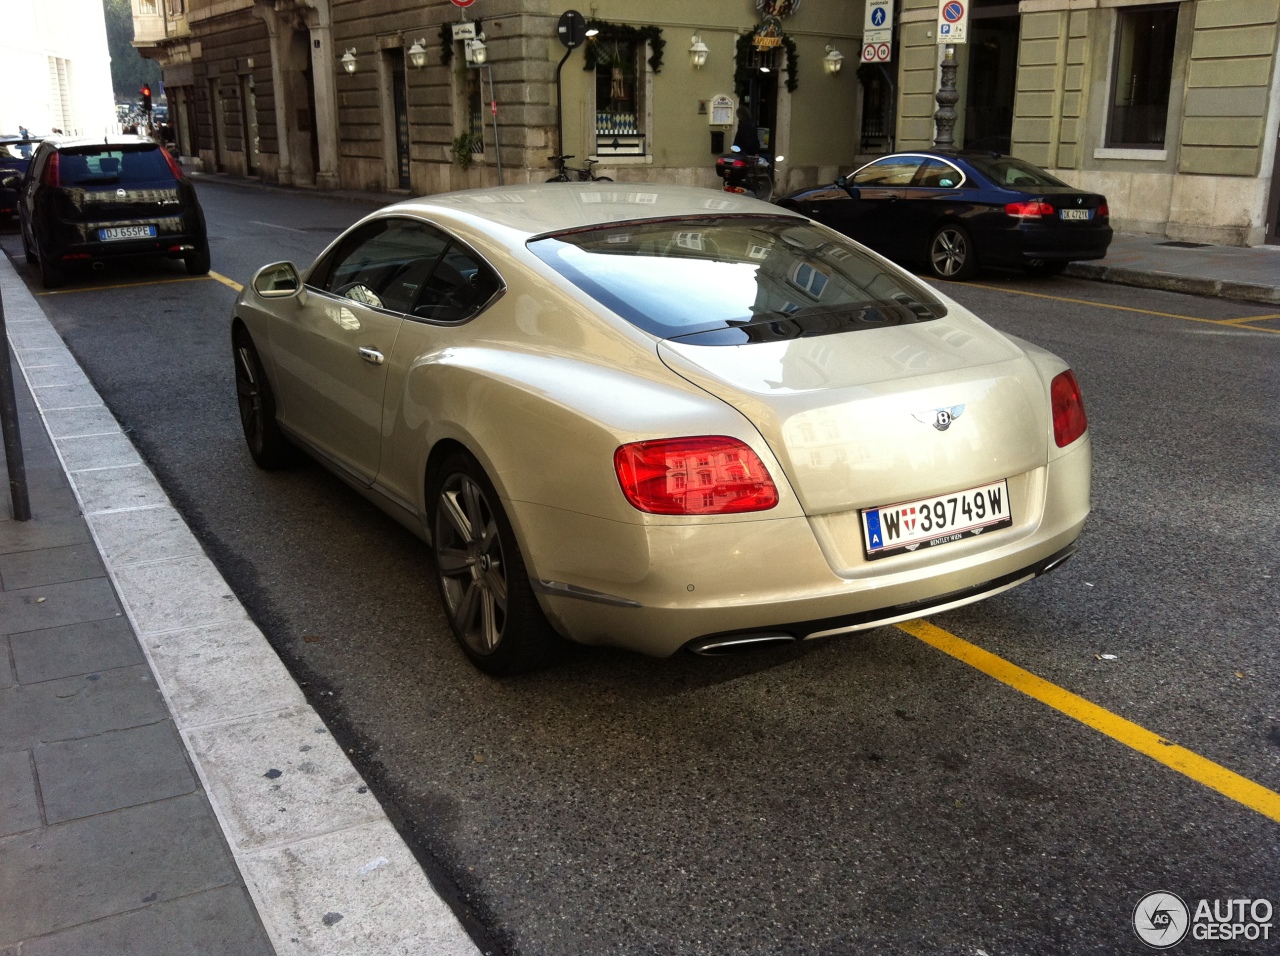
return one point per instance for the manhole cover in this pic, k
(1179, 244)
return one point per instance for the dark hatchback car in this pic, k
(956, 212)
(15, 157)
(84, 202)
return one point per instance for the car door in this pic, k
(331, 346)
(936, 193)
(869, 211)
(461, 286)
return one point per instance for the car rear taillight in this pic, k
(173, 163)
(1028, 210)
(707, 475)
(1069, 421)
(51, 175)
(1103, 211)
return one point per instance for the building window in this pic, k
(1142, 76)
(620, 112)
(147, 8)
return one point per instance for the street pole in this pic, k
(947, 97)
(9, 425)
(493, 108)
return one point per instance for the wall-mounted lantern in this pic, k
(349, 60)
(418, 53)
(833, 60)
(698, 52)
(476, 51)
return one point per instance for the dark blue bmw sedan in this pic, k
(957, 212)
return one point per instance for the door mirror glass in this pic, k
(11, 182)
(277, 281)
(842, 181)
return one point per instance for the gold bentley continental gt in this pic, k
(662, 418)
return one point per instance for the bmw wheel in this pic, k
(951, 254)
(481, 574)
(267, 443)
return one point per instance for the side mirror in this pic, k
(853, 191)
(277, 281)
(779, 158)
(735, 149)
(11, 182)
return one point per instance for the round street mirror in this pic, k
(572, 29)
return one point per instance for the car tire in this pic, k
(51, 276)
(1045, 268)
(268, 446)
(27, 251)
(951, 254)
(484, 586)
(197, 262)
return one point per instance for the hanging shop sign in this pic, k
(777, 8)
(769, 34)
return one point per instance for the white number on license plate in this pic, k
(929, 522)
(127, 232)
(1075, 213)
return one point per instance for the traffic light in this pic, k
(146, 98)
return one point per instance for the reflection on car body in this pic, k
(637, 416)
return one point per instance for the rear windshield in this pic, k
(1007, 171)
(87, 166)
(734, 280)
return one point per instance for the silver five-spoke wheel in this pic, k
(951, 254)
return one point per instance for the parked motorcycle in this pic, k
(748, 174)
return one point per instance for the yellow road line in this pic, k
(121, 285)
(1120, 308)
(219, 277)
(1202, 770)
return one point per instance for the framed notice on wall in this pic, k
(721, 112)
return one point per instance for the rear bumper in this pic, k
(1023, 243)
(659, 589)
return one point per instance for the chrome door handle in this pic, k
(372, 356)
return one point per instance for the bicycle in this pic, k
(584, 174)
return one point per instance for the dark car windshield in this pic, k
(733, 280)
(86, 166)
(1012, 173)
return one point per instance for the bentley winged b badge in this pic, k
(939, 418)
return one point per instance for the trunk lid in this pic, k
(853, 418)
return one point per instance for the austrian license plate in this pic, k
(1084, 214)
(929, 522)
(127, 232)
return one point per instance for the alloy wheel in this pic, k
(472, 568)
(249, 397)
(949, 253)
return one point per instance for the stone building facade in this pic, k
(1171, 109)
(259, 88)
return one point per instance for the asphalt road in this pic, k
(864, 794)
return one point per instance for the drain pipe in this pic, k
(9, 425)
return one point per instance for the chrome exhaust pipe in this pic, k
(737, 643)
(1058, 562)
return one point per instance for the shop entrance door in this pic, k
(993, 68)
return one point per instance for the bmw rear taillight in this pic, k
(1069, 421)
(707, 475)
(51, 175)
(173, 163)
(1028, 210)
(1103, 211)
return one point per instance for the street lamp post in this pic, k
(947, 97)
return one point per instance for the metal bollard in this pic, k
(9, 425)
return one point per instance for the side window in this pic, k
(890, 171)
(935, 174)
(459, 287)
(383, 265)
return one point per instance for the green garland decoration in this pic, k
(446, 43)
(625, 33)
(742, 64)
